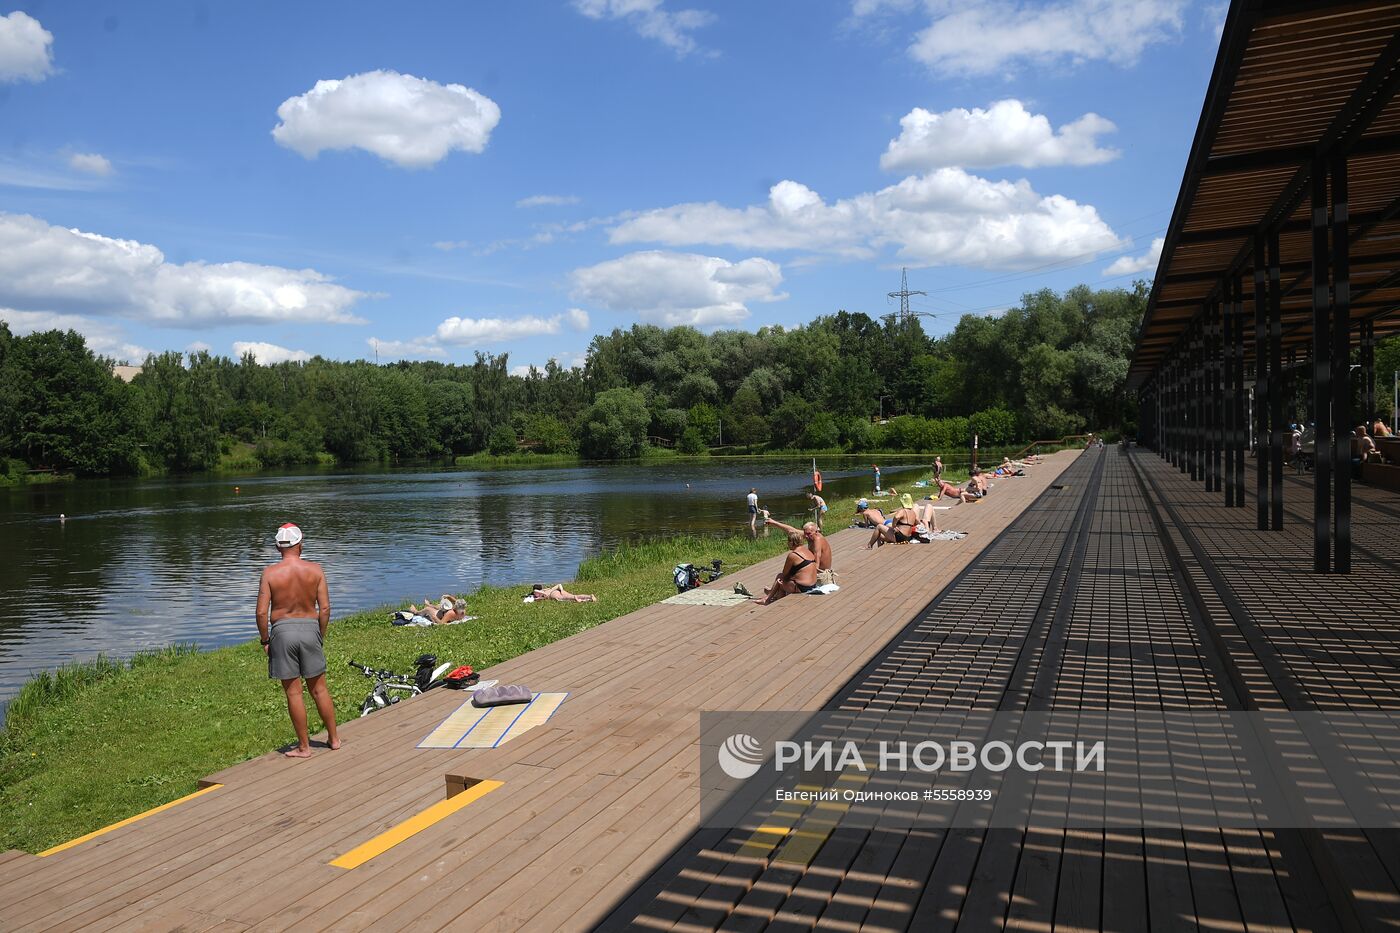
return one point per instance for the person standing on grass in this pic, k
(877, 479)
(937, 470)
(818, 508)
(293, 611)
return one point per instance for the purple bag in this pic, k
(502, 695)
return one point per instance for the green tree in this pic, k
(820, 432)
(615, 425)
(503, 441)
(69, 412)
(692, 442)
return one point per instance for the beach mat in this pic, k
(946, 535)
(706, 598)
(492, 726)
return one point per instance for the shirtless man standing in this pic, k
(294, 609)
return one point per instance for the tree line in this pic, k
(1054, 365)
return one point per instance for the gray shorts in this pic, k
(295, 649)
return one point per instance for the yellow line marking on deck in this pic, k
(128, 821)
(413, 825)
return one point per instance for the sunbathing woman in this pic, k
(901, 530)
(540, 593)
(799, 573)
(447, 611)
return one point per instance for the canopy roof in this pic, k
(1293, 82)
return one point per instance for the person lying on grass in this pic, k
(540, 593)
(446, 612)
(799, 573)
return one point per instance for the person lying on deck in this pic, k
(869, 516)
(1010, 468)
(816, 543)
(799, 573)
(540, 593)
(447, 611)
(955, 492)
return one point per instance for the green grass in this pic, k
(94, 743)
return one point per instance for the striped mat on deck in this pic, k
(470, 727)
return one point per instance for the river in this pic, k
(145, 563)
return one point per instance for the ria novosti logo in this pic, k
(741, 756)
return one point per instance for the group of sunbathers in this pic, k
(452, 609)
(915, 521)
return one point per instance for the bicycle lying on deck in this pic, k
(391, 687)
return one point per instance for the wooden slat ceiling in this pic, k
(1285, 72)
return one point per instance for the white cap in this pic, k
(288, 535)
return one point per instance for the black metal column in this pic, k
(1242, 410)
(1321, 374)
(1262, 382)
(1341, 368)
(1208, 393)
(1276, 384)
(1214, 395)
(1369, 409)
(1227, 372)
(1198, 408)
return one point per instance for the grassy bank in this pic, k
(16, 473)
(97, 742)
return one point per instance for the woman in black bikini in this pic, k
(799, 574)
(899, 531)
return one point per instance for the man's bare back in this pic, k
(294, 588)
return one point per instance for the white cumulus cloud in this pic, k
(680, 288)
(997, 36)
(410, 121)
(651, 19)
(26, 49)
(474, 331)
(1128, 265)
(90, 163)
(547, 200)
(946, 217)
(268, 353)
(103, 337)
(1006, 133)
(49, 268)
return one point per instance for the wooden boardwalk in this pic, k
(1137, 593)
(590, 805)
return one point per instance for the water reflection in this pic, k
(140, 564)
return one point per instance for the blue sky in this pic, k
(439, 178)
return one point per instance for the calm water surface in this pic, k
(141, 564)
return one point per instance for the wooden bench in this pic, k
(1381, 475)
